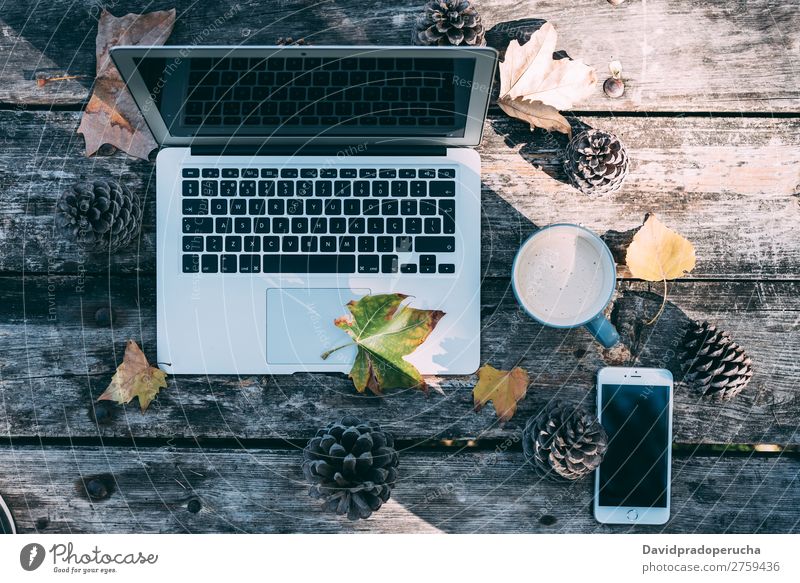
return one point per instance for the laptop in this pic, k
(293, 180)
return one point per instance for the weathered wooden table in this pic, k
(711, 117)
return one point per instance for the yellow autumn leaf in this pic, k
(657, 253)
(504, 388)
(135, 378)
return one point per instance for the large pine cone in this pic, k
(352, 467)
(714, 364)
(596, 162)
(564, 442)
(449, 22)
(100, 216)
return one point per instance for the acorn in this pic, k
(614, 86)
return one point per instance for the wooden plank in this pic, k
(461, 492)
(56, 360)
(730, 185)
(675, 57)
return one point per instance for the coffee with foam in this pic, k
(564, 276)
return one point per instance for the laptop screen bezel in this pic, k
(480, 90)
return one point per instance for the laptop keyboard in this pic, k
(318, 220)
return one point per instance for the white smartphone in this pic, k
(632, 484)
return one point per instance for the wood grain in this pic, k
(56, 360)
(675, 57)
(730, 185)
(261, 490)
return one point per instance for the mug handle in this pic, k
(603, 331)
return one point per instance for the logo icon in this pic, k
(31, 556)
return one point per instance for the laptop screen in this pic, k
(297, 94)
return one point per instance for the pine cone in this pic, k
(596, 162)
(100, 216)
(564, 442)
(449, 22)
(351, 466)
(289, 41)
(714, 364)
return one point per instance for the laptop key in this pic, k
(399, 188)
(394, 226)
(257, 207)
(289, 244)
(408, 173)
(233, 243)
(356, 226)
(323, 188)
(366, 245)
(210, 172)
(413, 226)
(228, 187)
(327, 244)
(285, 188)
(214, 244)
(242, 225)
(249, 263)
(447, 268)
(250, 173)
(308, 173)
(272, 243)
(297, 263)
(342, 188)
(269, 173)
(238, 207)
(193, 244)
(368, 173)
(313, 207)
(427, 207)
(280, 225)
(333, 207)
(275, 207)
(195, 207)
(327, 173)
(389, 264)
(294, 207)
(443, 188)
(209, 264)
(198, 225)
(337, 225)
(347, 244)
(224, 225)
(387, 173)
(266, 188)
(348, 173)
(191, 263)
(408, 207)
(408, 268)
(447, 172)
(247, 188)
(261, 225)
(319, 225)
(304, 188)
(288, 172)
(299, 225)
(308, 244)
(427, 244)
(403, 244)
(371, 207)
(427, 173)
(419, 188)
(228, 263)
(385, 244)
(230, 173)
(427, 263)
(375, 226)
(361, 188)
(380, 188)
(209, 188)
(352, 207)
(252, 244)
(191, 187)
(368, 263)
(390, 207)
(191, 173)
(433, 225)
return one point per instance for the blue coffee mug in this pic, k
(564, 276)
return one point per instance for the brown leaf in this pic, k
(111, 116)
(534, 87)
(504, 388)
(135, 378)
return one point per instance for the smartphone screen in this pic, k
(635, 468)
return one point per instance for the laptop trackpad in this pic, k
(300, 325)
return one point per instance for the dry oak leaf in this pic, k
(135, 378)
(111, 116)
(534, 87)
(385, 330)
(657, 253)
(504, 388)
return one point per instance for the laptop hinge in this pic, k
(339, 152)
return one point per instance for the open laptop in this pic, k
(293, 180)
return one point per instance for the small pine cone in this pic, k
(449, 22)
(99, 216)
(352, 467)
(289, 41)
(714, 365)
(564, 442)
(596, 162)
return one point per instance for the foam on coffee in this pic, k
(564, 276)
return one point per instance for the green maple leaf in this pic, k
(385, 330)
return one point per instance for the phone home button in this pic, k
(632, 514)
